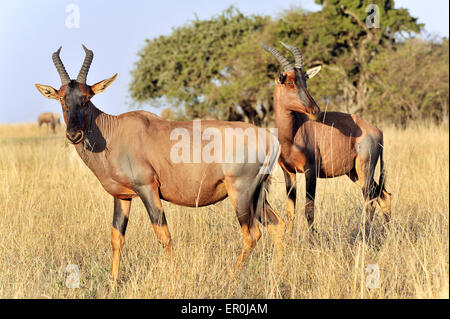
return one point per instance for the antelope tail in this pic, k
(260, 200)
(382, 180)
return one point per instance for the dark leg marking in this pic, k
(121, 210)
(119, 227)
(310, 179)
(152, 202)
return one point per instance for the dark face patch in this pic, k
(300, 83)
(282, 77)
(75, 109)
(303, 94)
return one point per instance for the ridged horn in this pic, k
(297, 55)
(81, 78)
(65, 78)
(284, 62)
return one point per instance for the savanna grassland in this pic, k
(54, 212)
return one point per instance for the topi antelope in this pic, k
(325, 144)
(52, 119)
(130, 154)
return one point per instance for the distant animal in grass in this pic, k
(51, 119)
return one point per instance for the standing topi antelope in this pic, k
(52, 119)
(323, 145)
(130, 154)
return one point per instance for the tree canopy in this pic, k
(188, 66)
(216, 67)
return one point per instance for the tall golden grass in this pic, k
(54, 212)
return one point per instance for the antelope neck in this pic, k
(286, 121)
(100, 125)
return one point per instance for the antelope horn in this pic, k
(284, 62)
(65, 78)
(85, 67)
(297, 55)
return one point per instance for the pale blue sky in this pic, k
(31, 30)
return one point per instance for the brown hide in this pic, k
(328, 142)
(134, 148)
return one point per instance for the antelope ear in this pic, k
(311, 72)
(103, 85)
(47, 91)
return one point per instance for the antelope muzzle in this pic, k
(313, 112)
(75, 137)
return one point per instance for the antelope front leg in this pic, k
(291, 191)
(119, 226)
(310, 178)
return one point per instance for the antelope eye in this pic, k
(60, 98)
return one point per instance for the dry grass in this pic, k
(53, 212)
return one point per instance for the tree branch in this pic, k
(332, 68)
(358, 21)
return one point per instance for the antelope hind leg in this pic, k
(276, 228)
(152, 202)
(241, 200)
(365, 170)
(384, 200)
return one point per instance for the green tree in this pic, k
(338, 38)
(410, 82)
(245, 90)
(189, 67)
(216, 67)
